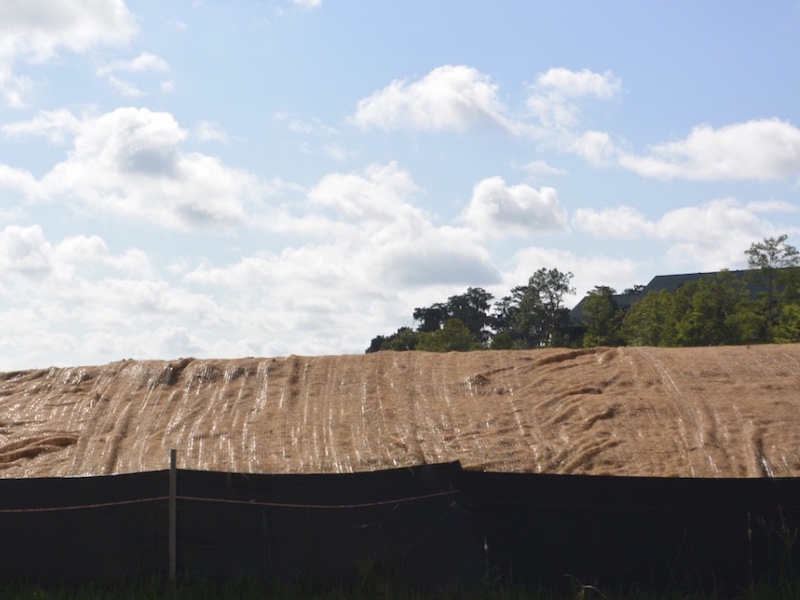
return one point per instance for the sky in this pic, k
(264, 178)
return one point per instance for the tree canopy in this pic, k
(722, 308)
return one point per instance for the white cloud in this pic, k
(588, 271)
(338, 152)
(375, 253)
(145, 62)
(772, 206)
(381, 194)
(499, 210)
(449, 97)
(707, 237)
(623, 222)
(315, 126)
(596, 147)
(208, 131)
(23, 251)
(55, 125)
(537, 168)
(307, 4)
(130, 163)
(760, 149)
(37, 30)
(711, 236)
(19, 180)
(126, 88)
(554, 96)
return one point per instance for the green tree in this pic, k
(471, 308)
(502, 341)
(403, 339)
(787, 325)
(650, 321)
(603, 318)
(431, 318)
(454, 336)
(773, 264)
(706, 311)
(539, 317)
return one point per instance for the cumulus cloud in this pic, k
(499, 210)
(712, 235)
(23, 251)
(208, 131)
(130, 163)
(538, 168)
(555, 94)
(55, 125)
(596, 147)
(74, 301)
(376, 253)
(307, 4)
(451, 97)
(18, 180)
(760, 149)
(126, 88)
(315, 126)
(623, 222)
(381, 193)
(587, 271)
(38, 30)
(706, 237)
(145, 62)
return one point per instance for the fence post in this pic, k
(173, 516)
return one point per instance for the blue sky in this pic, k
(229, 179)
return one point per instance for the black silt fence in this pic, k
(423, 526)
(653, 533)
(80, 529)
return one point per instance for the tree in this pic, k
(603, 318)
(766, 259)
(635, 289)
(772, 253)
(707, 311)
(471, 308)
(454, 336)
(787, 326)
(649, 322)
(431, 318)
(403, 339)
(539, 317)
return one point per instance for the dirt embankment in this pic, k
(703, 412)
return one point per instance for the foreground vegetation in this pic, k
(760, 306)
(197, 590)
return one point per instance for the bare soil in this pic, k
(667, 412)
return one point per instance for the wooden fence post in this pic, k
(173, 516)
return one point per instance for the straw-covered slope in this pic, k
(706, 412)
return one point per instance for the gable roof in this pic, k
(657, 284)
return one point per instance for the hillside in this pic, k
(704, 412)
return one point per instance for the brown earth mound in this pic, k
(701, 412)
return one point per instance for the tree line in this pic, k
(763, 306)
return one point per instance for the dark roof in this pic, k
(657, 284)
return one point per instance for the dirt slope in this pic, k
(704, 412)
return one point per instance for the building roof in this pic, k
(657, 284)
